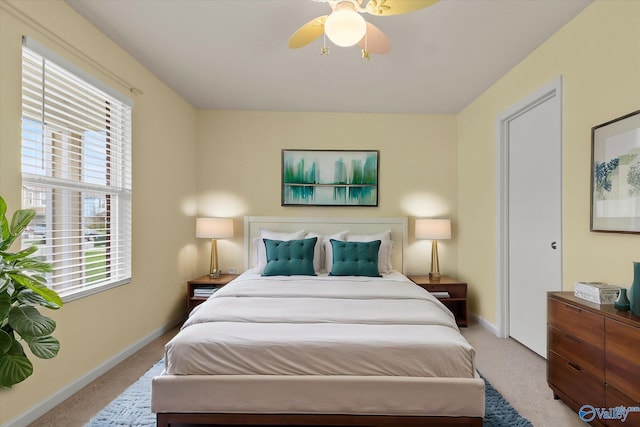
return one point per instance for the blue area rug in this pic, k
(132, 407)
(498, 412)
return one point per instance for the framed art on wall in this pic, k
(330, 177)
(615, 175)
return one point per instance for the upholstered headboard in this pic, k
(327, 226)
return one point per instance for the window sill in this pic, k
(86, 291)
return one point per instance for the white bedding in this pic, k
(321, 325)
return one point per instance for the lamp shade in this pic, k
(214, 228)
(433, 229)
(345, 27)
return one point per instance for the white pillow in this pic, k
(328, 254)
(319, 255)
(384, 256)
(385, 251)
(317, 250)
(383, 235)
(260, 250)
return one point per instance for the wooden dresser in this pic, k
(593, 357)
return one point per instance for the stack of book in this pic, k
(597, 292)
(204, 292)
(440, 294)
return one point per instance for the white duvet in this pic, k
(321, 325)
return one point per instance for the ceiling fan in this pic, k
(345, 26)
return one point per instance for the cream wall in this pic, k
(95, 329)
(598, 56)
(227, 163)
(239, 166)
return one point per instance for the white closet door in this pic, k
(534, 219)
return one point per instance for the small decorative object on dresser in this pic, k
(597, 292)
(634, 291)
(622, 303)
(198, 290)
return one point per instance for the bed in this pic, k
(287, 343)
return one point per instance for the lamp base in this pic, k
(434, 273)
(214, 271)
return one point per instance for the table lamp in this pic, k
(214, 228)
(434, 230)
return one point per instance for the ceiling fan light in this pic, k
(345, 27)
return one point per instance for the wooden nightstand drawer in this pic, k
(584, 355)
(578, 322)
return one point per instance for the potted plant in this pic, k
(23, 287)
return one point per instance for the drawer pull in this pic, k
(572, 338)
(573, 308)
(574, 366)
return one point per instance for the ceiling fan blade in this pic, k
(376, 41)
(396, 7)
(308, 32)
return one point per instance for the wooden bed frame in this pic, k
(356, 225)
(172, 419)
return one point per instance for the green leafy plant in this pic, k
(23, 287)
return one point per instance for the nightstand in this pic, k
(198, 290)
(457, 290)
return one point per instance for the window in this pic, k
(76, 174)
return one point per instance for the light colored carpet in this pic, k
(131, 408)
(520, 375)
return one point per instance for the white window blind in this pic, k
(76, 174)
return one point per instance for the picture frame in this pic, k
(330, 177)
(615, 175)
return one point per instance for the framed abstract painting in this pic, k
(330, 177)
(615, 175)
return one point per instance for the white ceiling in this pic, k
(232, 54)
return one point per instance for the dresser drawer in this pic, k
(584, 355)
(576, 321)
(573, 381)
(615, 398)
(623, 375)
(623, 341)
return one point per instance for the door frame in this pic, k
(549, 91)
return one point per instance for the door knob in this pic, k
(554, 245)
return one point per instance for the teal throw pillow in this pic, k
(290, 258)
(355, 258)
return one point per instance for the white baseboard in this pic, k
(64, 393)
(484, 323)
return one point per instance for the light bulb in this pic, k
(345, 27)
